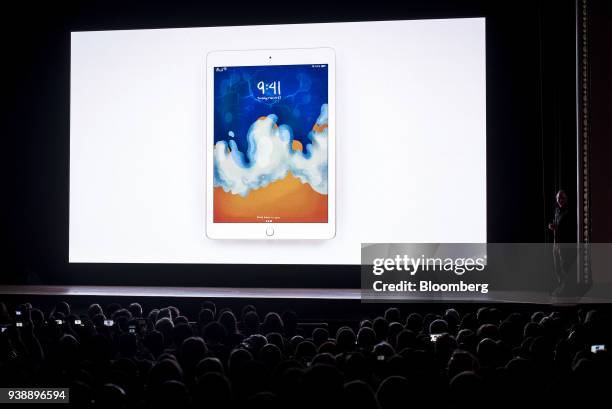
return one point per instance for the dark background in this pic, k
(600, 104)
(531, 125)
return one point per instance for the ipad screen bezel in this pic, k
(264, 230)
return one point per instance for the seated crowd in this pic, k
(121, 356)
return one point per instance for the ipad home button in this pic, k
(270, 231)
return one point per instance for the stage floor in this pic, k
(190, 292)
(290, 293)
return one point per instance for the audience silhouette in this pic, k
(128, 357)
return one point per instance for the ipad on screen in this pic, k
(270, 144)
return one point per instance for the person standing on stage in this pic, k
(563, 232)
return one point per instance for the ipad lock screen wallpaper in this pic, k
(270, 144)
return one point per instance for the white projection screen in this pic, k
(410, 140)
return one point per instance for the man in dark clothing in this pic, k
(564, 254)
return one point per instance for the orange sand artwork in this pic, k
(284, 201)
